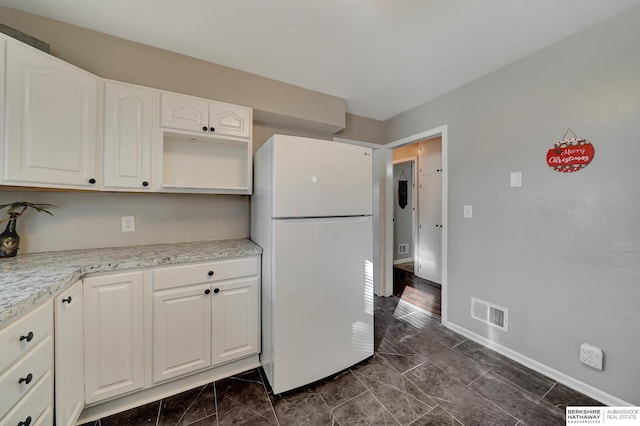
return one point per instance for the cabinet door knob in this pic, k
(27, 379)
(216, 290)
(26, 422)
(66, 300)
(212, 129)
(28, 337)
(210, 273)
(207, 291)
(145, 183)
(204, 128)
(92, 181)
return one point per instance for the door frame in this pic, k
(387, 219)
(414, 200)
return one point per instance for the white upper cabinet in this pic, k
(128, 128)
(61, 131)
(183, 112)
(230, 120)
(50, 127)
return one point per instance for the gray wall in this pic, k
(92, 219)
(562, 252)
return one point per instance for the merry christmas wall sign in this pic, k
(570, 154)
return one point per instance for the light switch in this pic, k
(128, 223)
(516, 179)
(468, 211)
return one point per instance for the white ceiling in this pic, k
(382, 56)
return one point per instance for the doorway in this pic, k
(389, 247)
(416, 225)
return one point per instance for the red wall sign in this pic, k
(570, 155)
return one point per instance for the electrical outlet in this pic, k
(591, 356)
(128, 223)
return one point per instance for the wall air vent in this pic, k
(489, 313)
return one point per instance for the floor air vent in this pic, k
(489, 313)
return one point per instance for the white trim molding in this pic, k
(387, 220)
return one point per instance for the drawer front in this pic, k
(26, 374)
(24, 335)
(37, 405)
(204, 272)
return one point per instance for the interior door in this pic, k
(430, 228)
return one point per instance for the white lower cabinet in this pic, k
(26, 369)
(181, 331)
(69, 355)
(204, 315)
(235, 317)
(114, 330)
(121, 339)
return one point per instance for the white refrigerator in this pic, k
(311, 214)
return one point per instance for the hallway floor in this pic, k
(415, 290)
(421, 374)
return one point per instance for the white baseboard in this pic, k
(407, 260)
(554, 374)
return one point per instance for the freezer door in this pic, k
(315, 178)
(322, 299)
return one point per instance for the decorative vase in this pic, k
(9, 239)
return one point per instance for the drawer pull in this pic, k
(210, 273)
(216, 290)
(26, 422)
(27, 379)
(28, 337)
(66, 300)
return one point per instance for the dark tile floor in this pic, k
(421, 374)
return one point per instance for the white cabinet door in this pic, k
(181, 331)
(236, 323)
(50, 128)
(184, 112)
(430, 228)
(230, 120)
(113, 317)
(69, 355)
(127, 136)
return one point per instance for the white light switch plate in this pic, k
(468, 211)
(128, 223)
(516, 179)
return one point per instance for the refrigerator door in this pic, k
(322, 301)
(313, 178)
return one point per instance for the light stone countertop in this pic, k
(28, 280)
